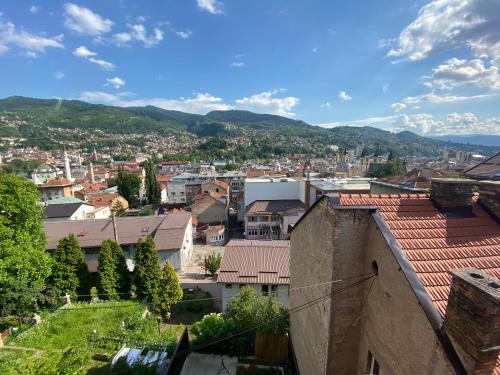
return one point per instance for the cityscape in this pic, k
(296, 231)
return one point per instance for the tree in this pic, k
(212, 263)
(107, 275)
(152, 184)
(118, 209)
(70, 273)
(121, 269)
(22, 238)
(128, 184)
(169, 292)
(147, 271)
(17, 297)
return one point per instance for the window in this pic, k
(252, 232)
(229, 286)
(372, 366)
(242, 285)
(274, 289)
(265, 290)
(252, 219)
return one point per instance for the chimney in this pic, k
(472, 320)
(307, 192)
(452, 195)
(489, 198)
(91, 173)
(67, 168)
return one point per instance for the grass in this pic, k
(188, 313)
(90, 328)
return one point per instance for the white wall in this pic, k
(264, 189)
(234, 290)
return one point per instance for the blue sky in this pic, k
(429, 67)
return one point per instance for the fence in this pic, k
(272, 348)
(179, 356)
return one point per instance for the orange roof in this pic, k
(214, 195)
(222, 184)
(105, 199)
(55, 182)
(433, 243)
(163, 179)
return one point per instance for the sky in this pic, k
(429, 67)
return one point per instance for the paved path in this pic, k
(198, 363)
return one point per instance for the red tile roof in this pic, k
(255, 262)
(434, 244)
(56, 182)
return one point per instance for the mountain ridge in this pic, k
(38, 115)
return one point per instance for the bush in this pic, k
(212, 263)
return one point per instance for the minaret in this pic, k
(91, 173)
(67, 169)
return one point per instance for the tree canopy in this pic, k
(128, 184)
(147, 271)
(22, 238)
(169, 292)
(70, 273)
(152, 184)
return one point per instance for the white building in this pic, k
(176, 192)
(264, 265)
(268, 188)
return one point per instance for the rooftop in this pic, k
(275, 206)
(255, 262)
(168, 231)
(433, 243)
(486, 170)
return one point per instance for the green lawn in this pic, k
(89, 328)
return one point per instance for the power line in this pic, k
(291, 311)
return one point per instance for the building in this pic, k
(215, 235)
(75, 211)
(55, 188)
(215, 186)
(398, 299)
(210, 209)
(43, 173)
(173, 166)
(172, 234)
(269, 188)
(486, 170)
(316, 188)
(261, 264)
(272, 219)
(111, 200)
(176, 192)
(415, 181)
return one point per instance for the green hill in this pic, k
(37, 121)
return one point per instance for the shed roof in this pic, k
(61, 210)
(275, 206)
(255, 262)
(488, 169)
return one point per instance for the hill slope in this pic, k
(49, 122)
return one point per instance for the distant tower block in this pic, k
(91, 173)
(67, 168)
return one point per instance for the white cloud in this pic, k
(385, 87)
(184, 34)
(87, 54)
(59, 75)
(34, 9)
(211, 6)
(202, 103)
(85, 22)
(342, 95)
(139, 33)
(326, 105)
(116, 82)
(456, 73)
(266, 102)
(448, 24)
(237, 64)
(432, 98)
(31, 44)
(427, 124)
(84, 52)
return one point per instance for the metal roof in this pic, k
(255, 262)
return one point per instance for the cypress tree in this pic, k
(121, 269)
(169, 292)
(107, 275)
(70, 273)
(147, 271)
(152, 185)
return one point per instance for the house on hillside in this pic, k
(215, 186)
(172, 234)
(409, 283)
(262, 264)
